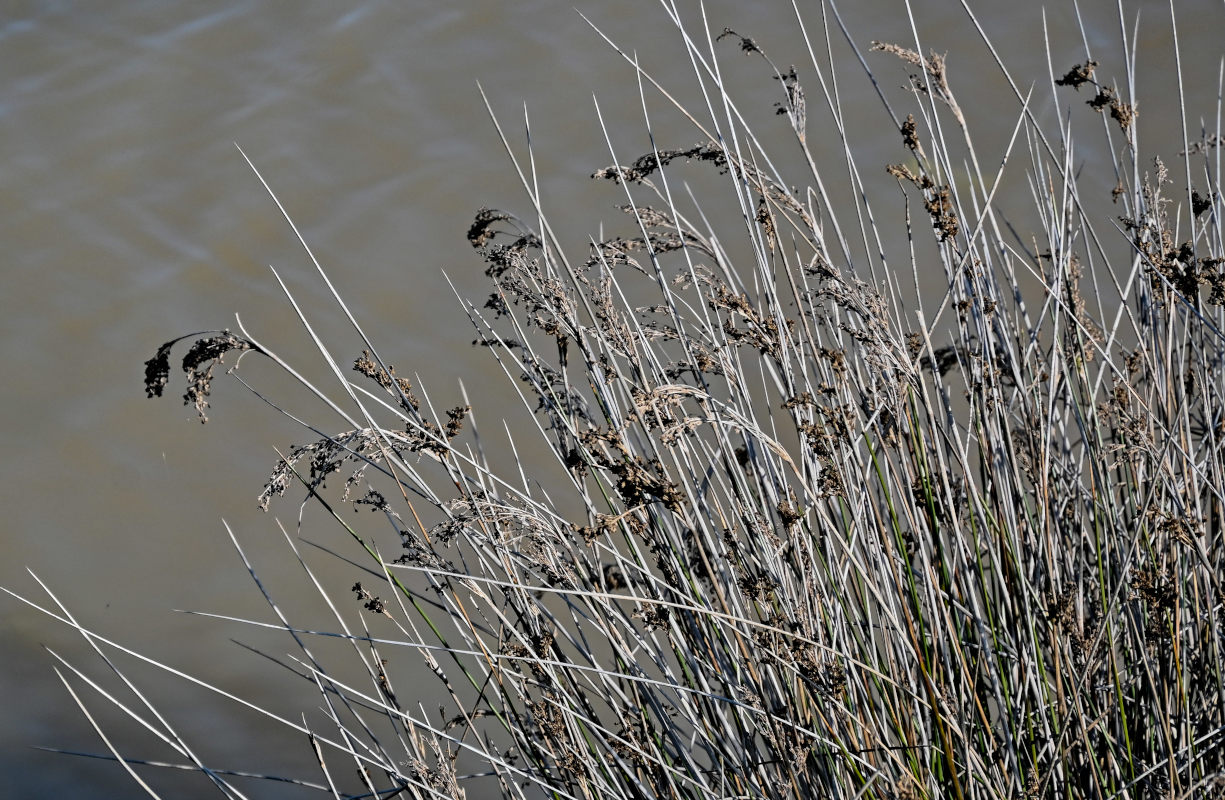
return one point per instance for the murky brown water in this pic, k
(129, 217)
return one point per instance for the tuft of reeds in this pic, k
(798, 529)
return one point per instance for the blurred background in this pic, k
(129, 218)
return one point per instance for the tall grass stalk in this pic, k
(793, 526)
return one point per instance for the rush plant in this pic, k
(794, 524)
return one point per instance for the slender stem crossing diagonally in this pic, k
(807, 531)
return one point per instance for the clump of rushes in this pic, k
(803, 537)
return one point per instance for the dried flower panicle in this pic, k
(198, 363)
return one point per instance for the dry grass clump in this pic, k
(799, 538)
